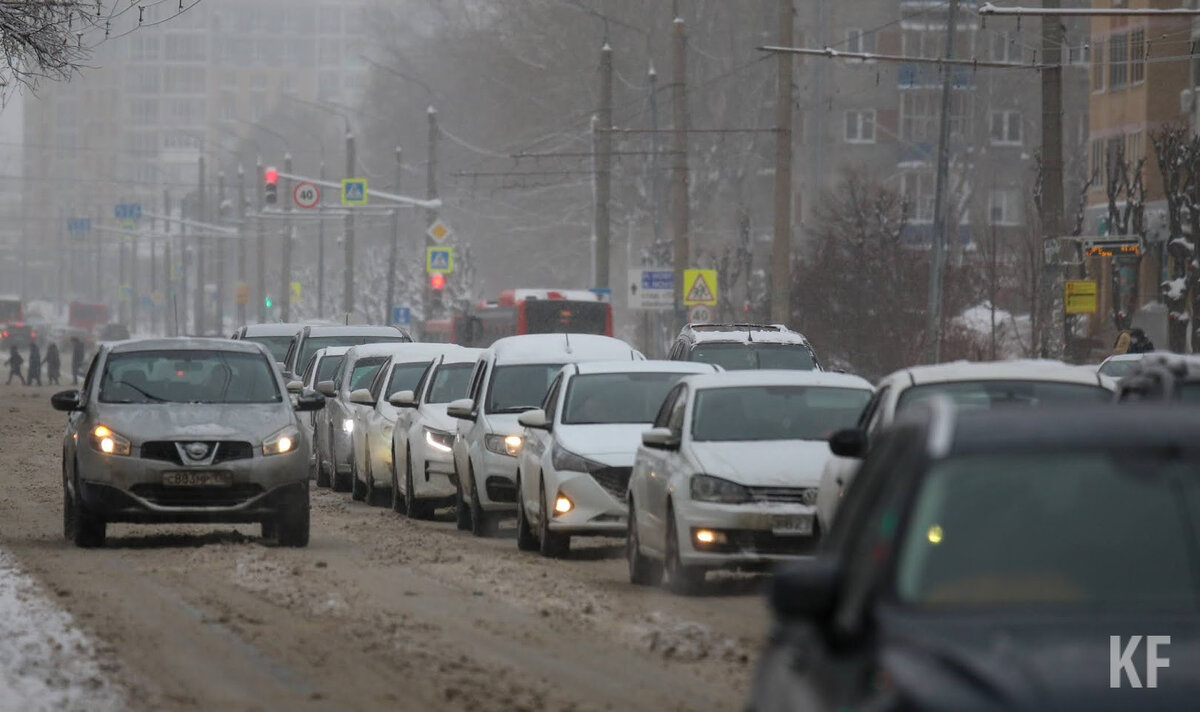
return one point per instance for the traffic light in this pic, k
(437, 284)
(267, 302)
(272, 188)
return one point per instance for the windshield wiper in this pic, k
(515, 409)
(151, 396)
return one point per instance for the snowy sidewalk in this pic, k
(46, 662)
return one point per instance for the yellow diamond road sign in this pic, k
(699, 287)
(439, 231)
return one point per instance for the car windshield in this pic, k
(313, 344)
(405, 377)
(616, 397)
(1068, 528)
(983, 395)
(187, 376)
(277, 345)
(1119, 369)
(328, 367)
(363, 371)
(775, 412)
(748, 357)
(450, 383)
(518, 388)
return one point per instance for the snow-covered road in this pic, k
(46, 662)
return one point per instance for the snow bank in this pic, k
(46, 662)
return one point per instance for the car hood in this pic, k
(197, 421)
(984, 663)
(613, 444)
(764, 463)
(434, 416)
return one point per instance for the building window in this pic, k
(920, 112)
(918, 189)
(1077, 54)
(1137, 56)
(1004, 207)
(1005, 127)
(1005, 47)
(1097, 161)
(860, 126)
(1098, 66)
(1135, 147)
(1118, 61)
(858, 40)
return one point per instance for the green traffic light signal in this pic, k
(267, 302)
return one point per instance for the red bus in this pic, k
(525, 311)
(11, 310)
(87, 316)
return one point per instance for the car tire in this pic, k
(483, 524)
(551, 545)
(269, 530)
(413, 507)
(683, 580)
(526, 541)
(358, 488)
(462, 511)
(643, 571)
(88, 530)
(339, 482)
(68, 509)
(293, 524)
(323, 479)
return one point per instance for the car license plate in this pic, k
(198, 478)
(792, 525)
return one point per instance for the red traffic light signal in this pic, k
(272, 175)
(271, 191)
(437, 281)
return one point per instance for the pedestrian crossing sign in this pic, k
(439, 260)
(354, 191)
(700, 287)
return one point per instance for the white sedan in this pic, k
(579, 446)
(727, 477)
(422, 457)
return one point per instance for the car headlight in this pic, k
(504, 444)
(106, 441)
(348, 426)
(706, 488)
(564, 459)
(281, 442)
(439, 440)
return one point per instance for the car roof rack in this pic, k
(738, 327)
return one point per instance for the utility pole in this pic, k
(602, 162)
(285, 294)
(260, 244)
(392, 249)
(781, 244)
(655, 182)
(134, 290)
(679, 162)
(431, 215)
(933, 324)
(1052, 181)
(321, 256)
(241, 247)
(153, 270)
(202, 216)
(168, 272)
(219, 249)
(348, 267)
(185, 259)
(122, 276)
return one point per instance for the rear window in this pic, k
(556, 316)
(983, 395)
(747, 357)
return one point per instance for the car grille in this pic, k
(786, 495)
(227, 451)
(501, 489)
(197, 496)
(614, 480)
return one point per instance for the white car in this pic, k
(1119, 366)
(510, 377)
(371, 455)
(322, 367)
(277, 337)
(422, 444)
(727, 477)
(970, 385)
(578, 454)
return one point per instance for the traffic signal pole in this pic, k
(395, 246)
(285, 294)
(260, 281)
(219, 250)
(241, 246)
(321, 260)
(431, 215)
(201, 205)
(348, 266)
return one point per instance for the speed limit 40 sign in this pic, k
(307, 195)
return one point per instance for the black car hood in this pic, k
(1036, 662)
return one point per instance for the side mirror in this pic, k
(403, 399)
(661, 439)
(67, 401)
(361, 396)
(326, 389)
(534, 419)
(463, 409)
(851, 442)
(309, 401)
(295, 386)
(806, 589)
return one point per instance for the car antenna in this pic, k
(749, 334)
(567, 336)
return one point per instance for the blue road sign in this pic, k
(128, 211)
(354, 191)
(439, 260)
(658, 279)
(79, 226)
(401, 316)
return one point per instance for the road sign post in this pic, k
(439, 260)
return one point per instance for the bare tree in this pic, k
(1126, 191)
(1178, 154)
(44, 39)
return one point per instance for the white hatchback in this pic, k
(574, 467)
(727, 477)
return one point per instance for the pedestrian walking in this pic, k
(35, 365)
(53, 364)
(15, 361)
(1139, 343)
(1121, 346)
(76, 359)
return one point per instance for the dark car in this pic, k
(741, 347)
(18, 334)
(1162, 377)
(1002, 560)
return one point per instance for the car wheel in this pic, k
(339, 482)
(88, 530)
(552, 545)
(358, 488)
(483, 524)
(68, 510)
(414, 508)
(643, 571)
(526, 541)
(376, 496)
(322, 471)
(398, 505)
(684, 580)
(293, 523)
(462, 512)
(269, 530)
